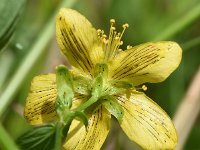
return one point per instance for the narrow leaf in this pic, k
(9, 13)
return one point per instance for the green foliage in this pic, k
(41, 137)
(9, 15)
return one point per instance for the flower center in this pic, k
(111, 43)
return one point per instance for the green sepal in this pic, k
(117, 87)
(97, 86)
(82, 85)
(113, 107)
(64, 87)
(121, 84)
(101, 69)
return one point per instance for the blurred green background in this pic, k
(28, 47)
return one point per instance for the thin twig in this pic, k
(188, 111)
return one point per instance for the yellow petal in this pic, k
(40, 103)
(77, 39)
(149, 62)
(92, 139)
(146, 123)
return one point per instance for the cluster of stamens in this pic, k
(111, 43)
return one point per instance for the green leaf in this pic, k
(35, 51)
(41, 137)
(113, 107)
(9, 14)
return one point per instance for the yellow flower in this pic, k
(86, 48)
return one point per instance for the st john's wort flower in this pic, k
(86, 48)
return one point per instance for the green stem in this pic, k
(6, 143)
(38, 48)
(82, 107)
(67, 126)
(88, 103)
(180, 24)
(59, 136)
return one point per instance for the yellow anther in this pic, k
(118, 34)
(112, 21)
(129, 47)
(120, 50)
(117, 38)
(105, 41)
(99, 30)
(112, 42)
(104, 36)
(113, 28)
(144, 87)
(125, 25)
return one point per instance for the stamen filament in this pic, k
(113, 42)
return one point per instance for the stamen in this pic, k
(129, 47)
(113, 28)
(144, 87)
(124, 28)
(125, 25)
(111, 43)
(112, 21)
(99, 31)
(105, 41)
(117, 38)
(104, 36)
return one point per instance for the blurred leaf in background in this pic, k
(9, 15)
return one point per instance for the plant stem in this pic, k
(38, 48)
(188, 111)
(180, 24)
(82, 107)
(88, 103)
(67, 126)
(6, 143)
(59, 135)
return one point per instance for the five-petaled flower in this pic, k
(91, 53)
